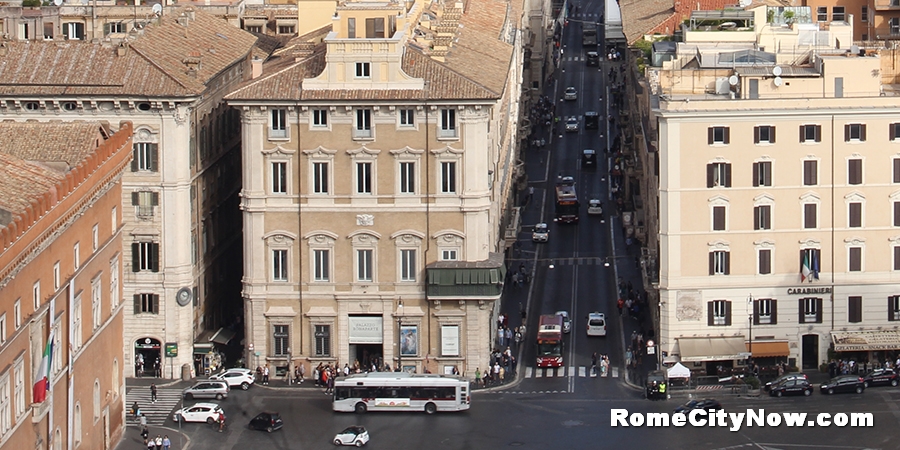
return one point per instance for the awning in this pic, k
(769, 349)
(223, 336)
(712, 348)
(863, 341)
(202, 349)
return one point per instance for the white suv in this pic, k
(235, 377)
(596, 324)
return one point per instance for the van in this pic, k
(596, 324)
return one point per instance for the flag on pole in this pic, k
(815, 265)
(42, 376)
(804, 268)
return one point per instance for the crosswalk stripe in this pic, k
(582, 371)
(615, 372)
(571, 371)
(157, 413)
(538, 373)
(528, 372)
(566, 371)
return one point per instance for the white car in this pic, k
(355, 435)
(235, 377)
(201, 412)
(596, 324)
(571, 93)
(572, 124)
(595, 207)
(567, 323)
(541, 233)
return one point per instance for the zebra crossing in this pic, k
(157, 413)
(566, 371)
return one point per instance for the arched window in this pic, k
(115, 378)
(96, 399)
(76, 432)
(57, 440)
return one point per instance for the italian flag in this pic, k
(805, 270)
(42, 376)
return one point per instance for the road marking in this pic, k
(615, 372)
(538, 373)
(528, 372)
(157, 413)
(571, 371)
(582, 371)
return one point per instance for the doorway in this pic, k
(147, 361)
(367, 355)
(810, 351)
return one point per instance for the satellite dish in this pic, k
(778, 81)
(57, 2)
(733, 80)
(776, 71)
(157, 9)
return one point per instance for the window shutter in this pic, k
(897, 214)
(818, 133)
(774, 311)
(712, 263)
(710, 132)
(710, 320)
(154, 199)
(856, 214)
(809, 215)
(137, 303)
(892, 131)
(727, 263)
(756, 217)
(710, 175)
(765, 262)
(134, 155)
(154, 257)
(896, 170)
(855, 309)
(897, 258)
(727, 175)
(154, 157)
(135, 257)
(818, 310)
(727, 313)
(890, 306)
(862, 132)
(772, 135)
(802, 133)
(846, 132)
(802, 317)
(105, 29)
(154, 305)
(727, 134)
(134, 199)
(755, 312)
(813, 172)
(755, 174)
(718, 218)
(755, 136)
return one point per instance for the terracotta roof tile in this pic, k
(22, 181)
(639, 17)
(682, 10)
(49, 142)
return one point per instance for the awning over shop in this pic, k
(769, 349)
(712, 348)
(223, 336)
(202, 349)
(865, 341)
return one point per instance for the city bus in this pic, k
(550, 341)
(400, 391)
(566, 200)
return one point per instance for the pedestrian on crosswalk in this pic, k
(166, 443)
(152, 392)
(143, 419)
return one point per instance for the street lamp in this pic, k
(290, 367)
(750, 314)
(399, 335)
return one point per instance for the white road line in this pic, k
(528, 372)
(582, 371)
(615, 372)
(539, 373)
(571, 371)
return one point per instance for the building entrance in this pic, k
(367, 355)
(810, 351)
(147, 358)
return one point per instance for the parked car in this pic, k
(235, 377)
(267, 421)
(540, 233)
(595, 207)
(207, 389)
(200, 412)
(567, 323)
(355, 435)
(881, 377)
(798, 386)
(572, 124)
(596, 324)
(571, 93)
(785, 377)
(844, 383)
(708, 404)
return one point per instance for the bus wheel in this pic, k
(360, 408)
(430, 408)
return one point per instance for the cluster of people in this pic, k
(142, 367)
(542, 112)
(613, 54)
(501, 368)
(851, 367)
(324, 375)
(599, 364)
(630, 301)
(262, 374)
(159, 442)
(520, 278)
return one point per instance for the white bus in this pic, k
(400, 391)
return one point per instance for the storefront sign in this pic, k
(808, 290)
(450, 340)
(366, 329)
(861, 341)
(171, 349)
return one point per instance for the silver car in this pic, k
(571, 93)
(207, 389)
(572, 124)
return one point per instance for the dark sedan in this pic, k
(786, 377)
(268, 421)
(844, 383)
(881, 377)
(706, 404)
(791, 387)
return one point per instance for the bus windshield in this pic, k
(549, 349)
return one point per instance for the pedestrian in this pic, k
(158, 441)
(266, 375)
(302, 369)
(512, 364)
(135, 411)
(317, 374)
(145, 433)
(143, 419)
(509, 336)
(259, 373)
(152, 392)
(330, 389)
(477, 376)
(166, 443)
(620, 304)
(221, 421)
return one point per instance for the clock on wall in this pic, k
(184, 296)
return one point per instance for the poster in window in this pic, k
(409, 340)
(450, 340)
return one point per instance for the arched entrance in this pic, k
(810, 351)
(147, 357)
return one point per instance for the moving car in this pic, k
(235, 377)
(268, 421)
(572, 124)
(201, 412)
(567, 323)
(596, 324)
(593, 58)
(595, 207)
(881, 377)
(707, 404)
(844, 383)
(207, 389)
(571, 93)
(785, 377)
(541, 233)
(798, 386)
(591, 120)
(588, 158)
(355, 435)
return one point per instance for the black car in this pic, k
(593, 58)
(791, 387)
(591, 120)
(706, 404)
(844, 383)
(786, 377)
(268, 421)
(588, 158)
(881, 377)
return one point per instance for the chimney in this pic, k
(122, 49)
(190, 13)
(256, 66)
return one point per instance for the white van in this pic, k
(596, 324)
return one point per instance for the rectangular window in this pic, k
(48, 30)
(810, 310)
(855, 263)
(407, 265)
(364, 178)
(145, 157)
(36, 295)
(77, 332)
(718, 213)
(854, 171)
(809, 263)
(448, 123)
(894, 24)
(837, 14)
(351, 27)
(762, 217)
(855, 214)
(146, 304)
(323, 340)
(449, 254)
(95, 237)
(894, 307)
(764, 134)
(762, 173)
(320, 118)
(144, 202)
(854, 307)
(363, 128)
(278, 124)
(407, 117)
(407, 178)
(114, 282)
(864, 15)
(19, 375)
(810, 133)
(764, 311)
(894, 131)
(896, 214)
(17, 313)
(145, 256)
(718, 135)
(279, 178)
(3, 329)
(285, 29)
(364, 265)
(375, 28)
(73, 30)
(718, 174)
(253, 28)
(363, 70)
(719, 262)
(320, 178)
(5, 406)
(448, 177)
(719, 313)
(822, 14)
(279, 265)
(321, 263)
(765, 261)
(56, 273)
(810, 173)
(280, 340)
(96, 303)
(809, 215)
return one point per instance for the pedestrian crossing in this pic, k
(157, 413)
(567, 371)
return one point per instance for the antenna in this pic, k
(157, 9)
(777, 71)
(733, 80)
(778, 81)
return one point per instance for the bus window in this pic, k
(341, 393)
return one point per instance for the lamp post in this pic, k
(399, 335)
(290, 367)
(750, 317)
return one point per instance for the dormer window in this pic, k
(351, 27)
(363, 70)
(375, 27)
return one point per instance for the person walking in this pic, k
(221, 422)
(166, 443)
(143, 420)
(477, 376)
(145, 433)
(158, 441)
(302, 369)
(266, 375)
(135, 411)
(152, 392)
